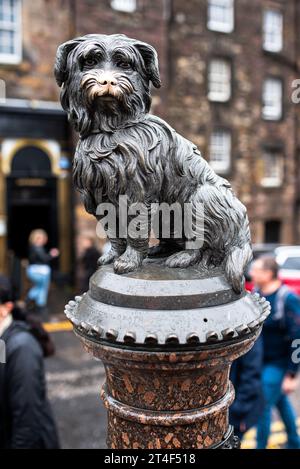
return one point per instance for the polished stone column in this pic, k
(167, 338)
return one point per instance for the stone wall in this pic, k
(192, 45)
(178, 30)
(46, 24)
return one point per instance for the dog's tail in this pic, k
(235, 264)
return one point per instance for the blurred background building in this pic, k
(227, 68)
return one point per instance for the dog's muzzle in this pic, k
(98, 83)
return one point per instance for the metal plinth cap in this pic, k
(162, 307)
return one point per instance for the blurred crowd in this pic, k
(26, 419)
(263, 378)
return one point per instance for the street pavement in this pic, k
(74, 384)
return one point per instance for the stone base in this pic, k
(167, 339)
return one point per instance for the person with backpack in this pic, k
(281, 328)
(245, 375)
(26, 420)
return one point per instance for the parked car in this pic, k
(288, 259)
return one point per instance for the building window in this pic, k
(220, 151)
(124, 5)
(219, 80)
(272, 231)
(272, 99)
(221, 15)
(273, 31)
(10, 31)
(272, 169)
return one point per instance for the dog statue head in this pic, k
(105, 81)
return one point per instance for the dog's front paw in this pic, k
(215, 260)
(183, 259)
(108, 257)
(128, 262)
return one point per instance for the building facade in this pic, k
(35, 188)
(228, 69)
(233, 68)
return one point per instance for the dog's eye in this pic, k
(90, 61)
(123, 64)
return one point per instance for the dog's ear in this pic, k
(60, 68)
(150, 58)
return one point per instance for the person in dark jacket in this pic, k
(245, 376)
(280, 330)
(26, 420)
(39, 271)
(88, 261)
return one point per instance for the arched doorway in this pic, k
(35, 182)
(31, 197)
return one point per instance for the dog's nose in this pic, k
(108, 81)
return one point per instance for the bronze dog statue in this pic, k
(124, 150)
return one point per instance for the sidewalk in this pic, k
(57, 300)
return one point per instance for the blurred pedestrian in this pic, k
(26, 420)
(279, 331)
(39, 270)
(245, 376)
(88, 261)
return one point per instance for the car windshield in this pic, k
(291, 263)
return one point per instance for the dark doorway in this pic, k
(272, 231)
(29, 208)
(31, 199)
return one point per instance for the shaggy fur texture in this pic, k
(123, 150)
